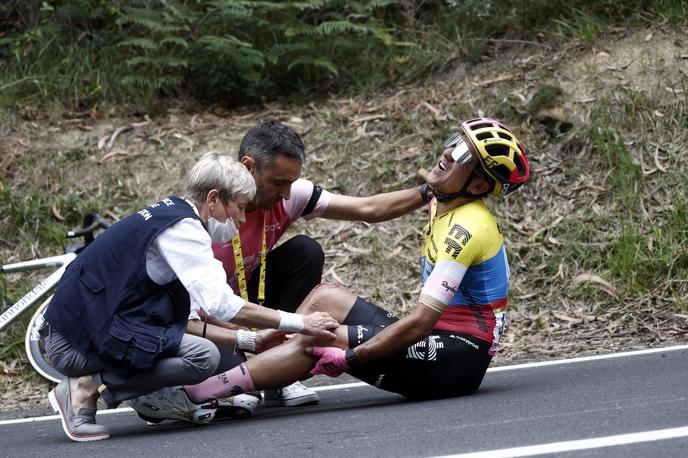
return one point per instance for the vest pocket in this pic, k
(90, 280)
(131, 346)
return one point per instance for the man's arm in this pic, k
(374, 209)
(314, 324)
(217, 334)
(225, 334)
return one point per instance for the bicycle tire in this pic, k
(35, 349)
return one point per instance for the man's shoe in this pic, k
(237, 406)
(292, 395)
(171, 404)
(81, 427)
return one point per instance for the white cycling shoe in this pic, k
(237, 406)
(292, 395)
(172, 404)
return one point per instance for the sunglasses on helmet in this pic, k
(461, 153)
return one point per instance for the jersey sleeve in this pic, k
(301, 193)
(442, 284)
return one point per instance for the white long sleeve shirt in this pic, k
(184, 251)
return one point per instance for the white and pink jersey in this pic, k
(279, 218)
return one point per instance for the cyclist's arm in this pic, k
(399, 335)
(437, 291)
(373, 209)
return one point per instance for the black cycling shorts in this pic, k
(443, 364)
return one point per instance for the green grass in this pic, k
(579, 24)
(675, 11)
(88, 54)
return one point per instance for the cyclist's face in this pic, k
(273, 182)
(452, 170)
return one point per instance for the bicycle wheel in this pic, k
(35, 347)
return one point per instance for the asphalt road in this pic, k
(631, 405)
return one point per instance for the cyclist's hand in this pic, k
(332, 361)
(319, 324)
(268, 338)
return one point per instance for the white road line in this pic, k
(343, 386)
(584, 444)
(512, 367)
(57, 417)
(587, 358)
(339, 386)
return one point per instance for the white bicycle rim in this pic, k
(32, 345)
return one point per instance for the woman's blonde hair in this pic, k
(217, 171)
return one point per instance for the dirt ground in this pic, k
(375, 143)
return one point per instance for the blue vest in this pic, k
(108, 307)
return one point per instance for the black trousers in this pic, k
(293, 270)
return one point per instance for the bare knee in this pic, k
(299, 342)
(332, 299)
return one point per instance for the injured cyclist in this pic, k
(444, 346)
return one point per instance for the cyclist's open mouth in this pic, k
(441, 166)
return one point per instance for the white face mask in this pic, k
(222, 232)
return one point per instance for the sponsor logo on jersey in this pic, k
(448, 287)
(359, 332)
(273, 227)
(468, 342)
(426, 349)
(480, 319)
(456, 240)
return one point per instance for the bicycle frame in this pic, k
(41, 290)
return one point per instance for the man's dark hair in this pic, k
(268, 139)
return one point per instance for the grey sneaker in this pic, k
(292, 395)
(81, 427)
(171, 404)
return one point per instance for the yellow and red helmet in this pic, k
(501, 154)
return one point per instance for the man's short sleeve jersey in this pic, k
(277, 221)
(465, 271)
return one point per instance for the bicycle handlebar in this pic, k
(92, 221)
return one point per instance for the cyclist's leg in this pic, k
(443, 364)
(274, 368)
(344, 306)
(229, 357)
(288, 362)
(293, 270)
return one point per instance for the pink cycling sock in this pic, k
(234, 381)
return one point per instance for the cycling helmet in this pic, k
(502, 156)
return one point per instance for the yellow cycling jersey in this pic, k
(465, 271)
